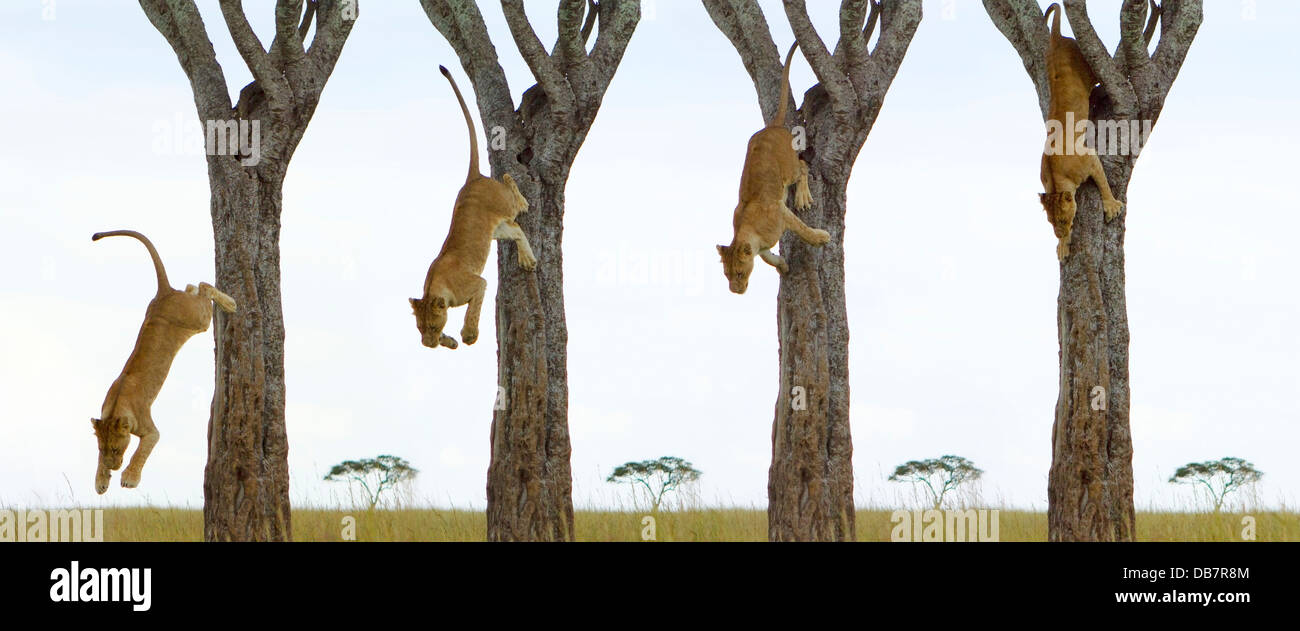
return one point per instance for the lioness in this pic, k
(1070, 81)
(172, 318)
(761, 217)
(485, 210)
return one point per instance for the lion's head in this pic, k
(737, 263)
(113, 436)
(1060, 209)
(430, 318)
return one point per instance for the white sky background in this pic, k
(952, 277)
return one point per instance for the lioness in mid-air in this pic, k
(761, 217)
(1070, 81)
(172, 318)
(485, 210)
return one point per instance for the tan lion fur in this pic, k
(172, 318)
(1070, 82)
(761, 217)
(485, 210)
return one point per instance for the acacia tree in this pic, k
(946, 472)
(1090, 486)
(374, 475)
(1219, 477)
(246, 482)
(529, 489)
(658, 477)
(810, 482)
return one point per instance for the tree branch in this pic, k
(255, 57)
(843, 96)
(1021, 23)
(181, 25)
(618, 20)
(549, 76)
(1181, 19)
(743, 23)
(461, 24)
(1117, 86)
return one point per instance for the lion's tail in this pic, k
(1054, 11)
(779, 119)
(469, 122)
(163, 285)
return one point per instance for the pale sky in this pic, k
(951, 270)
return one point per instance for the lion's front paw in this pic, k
(469, 335)
(1112, 208)
(821, 237)
(527, 260)
(448, 341)
(1062, 249)
(101, 485)
(130, 479)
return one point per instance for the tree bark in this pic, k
(246, 481)
(810, 481)
(1090, 484)
(529, 487)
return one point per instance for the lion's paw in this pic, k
(469, 335)
(802, 199)
(527, 260)
(448, 341)
(130, 479)
(1112, 208)
(821, 237)
(1062, 249)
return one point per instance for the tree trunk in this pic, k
(810, 482)
(1090, 485)
(529, 490)
(246, 482)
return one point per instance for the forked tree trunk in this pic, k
(246, 481)
(1090, 485)
(530, 484)
(810, 481)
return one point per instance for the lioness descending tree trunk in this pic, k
(246, 483)
(1090, 486)
(810, 483)
(529, 489)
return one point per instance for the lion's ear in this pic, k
(722, 251)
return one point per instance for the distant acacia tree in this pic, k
(374, 475)
(939, 475)
(1219, 477)
(659, 477)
